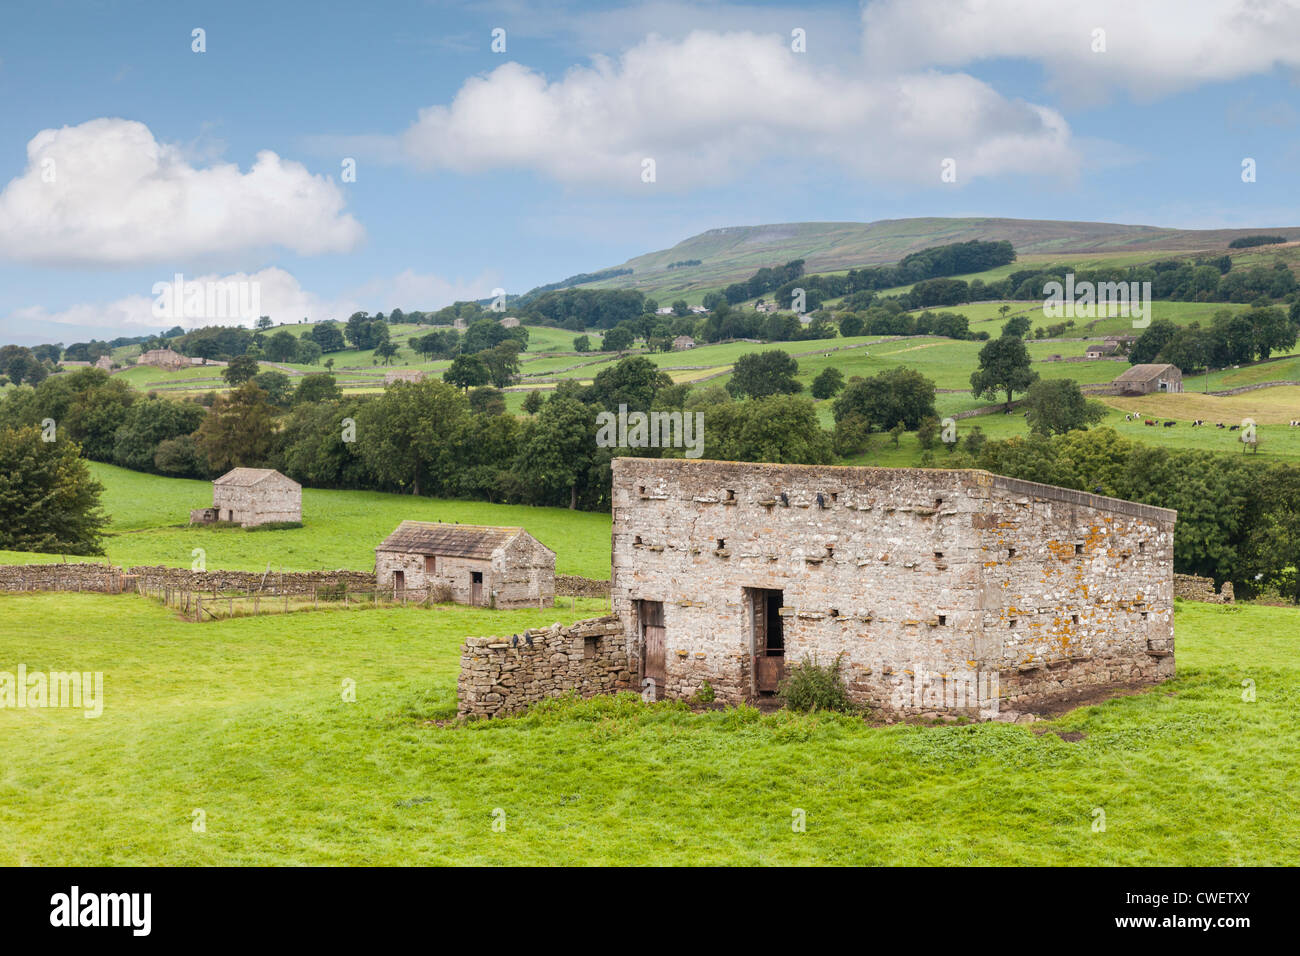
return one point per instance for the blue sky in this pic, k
(478, 169)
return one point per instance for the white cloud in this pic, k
(279, 295)
(1152, 48)
(119, 197)
(708, 105)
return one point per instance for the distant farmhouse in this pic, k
(1102, 350)
(682, 343)
(1146, 379)
(403, 375)
(106, 363)
(468, 564)
(510, 322)
(252, 496)
(164, 358)
(940, 590)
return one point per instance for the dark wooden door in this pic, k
(476, 588)
(652, 635)
(769, 643)
(399, 583)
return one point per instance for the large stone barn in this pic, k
(253, 496)
(944, 590)
(468, 564)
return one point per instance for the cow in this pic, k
(1170, 424)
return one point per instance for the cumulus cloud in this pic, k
(1152, 48)
(708, 105)
(107, 193)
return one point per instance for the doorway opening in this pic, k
(768, 635)
(476, 588)
(653, 667)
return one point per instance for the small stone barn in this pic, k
(163, 358)
(252, 496)
(468, 564)
(1145, 379)
(952, 591)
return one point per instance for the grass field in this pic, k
(244, 720)
(150, 516)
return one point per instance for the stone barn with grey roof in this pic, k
(939, 590)
(468, 564)
(252, 496)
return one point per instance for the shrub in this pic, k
(812, 687)
(705, 694)
(274, 526)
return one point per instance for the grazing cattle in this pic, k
(1148, 422)
(1220, 425)
(1233, 428)
(1170, 424)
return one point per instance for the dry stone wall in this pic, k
(106, 579)
(505, 675)
(100, 578)
(1189, 587)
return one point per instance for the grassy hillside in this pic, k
(734, 253)
(243, 720)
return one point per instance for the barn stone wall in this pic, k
(944, 590)
(505, 675)
(1190, 587)
(82, 576)
(262, 503)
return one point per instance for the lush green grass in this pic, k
(150, 516)
(245, 721)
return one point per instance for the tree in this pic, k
(328, 336)
(282, 346)
(386, 351)
(49, 500)
(319, 387)
(559, 450)
(635, 382)
(775, 428)
(617, 339)
(680, 308)
(828, 383)
(582, 344)
(1004, 367)
(278, 387)
(238, 431)
(240, 369)
(180, 458)
(264, 322)
(1018, 327)
(1056, 406)
(896, 394)
(1151, 342)
(466, 372)
(487, 400)
(409, 437)
(502, 363)
(148, 423)
(309, 352)
(759, 374)
(532, 402)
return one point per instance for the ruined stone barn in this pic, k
(944, 590)
(252, 496)
(468, 564)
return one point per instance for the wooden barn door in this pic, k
(476, 588)
(652, 640)
(769, 639)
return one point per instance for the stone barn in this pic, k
(1146, 379)
(163, 358)
(468, 564)
(252, 496)
(952, 591)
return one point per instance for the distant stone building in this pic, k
(682, 343)
(510, 322)
(468, 564)
(252, 496)
(403, 375)
(163, 358)
(106, 363)
(1146, 379)
(943, 590)
(1102, 350)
